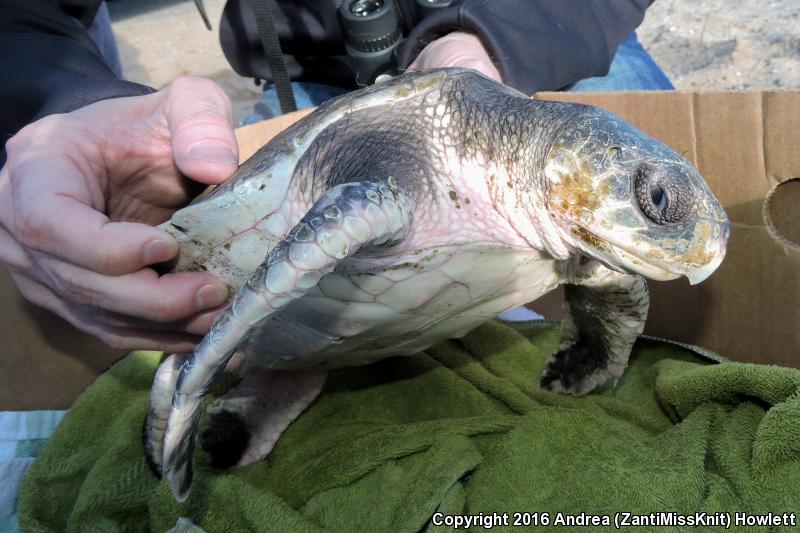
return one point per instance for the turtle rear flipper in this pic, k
(347, 218)
(606, 313)
(243, 425)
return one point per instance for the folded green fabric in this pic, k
(461, 429)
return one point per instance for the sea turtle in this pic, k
(410, 212)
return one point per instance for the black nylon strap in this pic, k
(202, 9)
(272, 49)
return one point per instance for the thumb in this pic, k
(199, 116)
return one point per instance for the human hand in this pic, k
(457, 49)
(80, 193)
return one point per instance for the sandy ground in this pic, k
(701, 45)
(725, 44)
(161, 40)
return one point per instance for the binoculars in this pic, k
(372, 32)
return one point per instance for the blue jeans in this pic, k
(103, 36)
(631, 70)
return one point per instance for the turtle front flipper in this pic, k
(347, 218)
(155, 424)
(606, 312)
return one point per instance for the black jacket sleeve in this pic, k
(536, 44)
(48, 63)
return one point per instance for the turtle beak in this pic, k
(701, 274)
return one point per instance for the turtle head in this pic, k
(629, 201)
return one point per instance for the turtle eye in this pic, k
(663, 198)
(658, 197)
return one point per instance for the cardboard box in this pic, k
(745, 145)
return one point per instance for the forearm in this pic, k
(536, 44)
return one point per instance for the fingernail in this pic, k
(157, 251)
(210, 295)
(213, 151)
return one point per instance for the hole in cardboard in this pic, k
(781, 212)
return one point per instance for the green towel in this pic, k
(461, 429)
